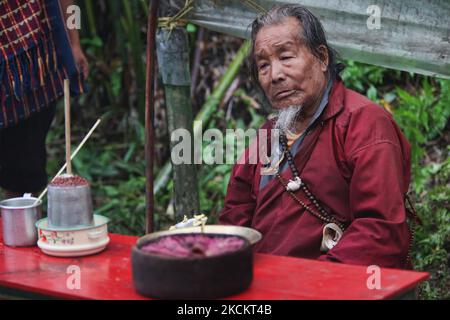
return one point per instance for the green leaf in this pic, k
(191, 28)
(372, 93)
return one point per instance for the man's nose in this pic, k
(277, 72)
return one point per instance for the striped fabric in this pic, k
(35, 58)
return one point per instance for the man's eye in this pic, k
(262, 66)
(285, 57)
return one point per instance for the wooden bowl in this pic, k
(164, 276)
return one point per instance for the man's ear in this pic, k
(323, 54)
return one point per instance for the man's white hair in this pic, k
(287, 118)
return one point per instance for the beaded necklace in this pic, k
(298, 183)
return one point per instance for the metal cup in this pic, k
(19, 216)
(69, 206)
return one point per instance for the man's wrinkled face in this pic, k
(288, 72)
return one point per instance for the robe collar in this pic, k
(335, 100)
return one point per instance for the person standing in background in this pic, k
(37, 52)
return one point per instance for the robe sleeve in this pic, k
(240, 201)
(378, 156)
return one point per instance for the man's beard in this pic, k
(287, 118)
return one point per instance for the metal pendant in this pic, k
(332, 233)
(294, 185)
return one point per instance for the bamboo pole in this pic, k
(185, 184)
(149, 99)
(173, 62)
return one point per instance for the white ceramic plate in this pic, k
(73, 251)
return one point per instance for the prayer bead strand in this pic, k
(321, 214)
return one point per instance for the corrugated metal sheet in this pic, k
(414, 35)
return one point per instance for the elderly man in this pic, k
(335, 189)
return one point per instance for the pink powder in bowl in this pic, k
(193, 245)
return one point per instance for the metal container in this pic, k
(19, 216)
(69, 206)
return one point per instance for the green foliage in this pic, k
(115, 45)
(432, 241)
(363, 78)
(422, 116)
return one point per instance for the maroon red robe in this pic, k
(359, 170)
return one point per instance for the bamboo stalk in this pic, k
(173, 61)
(136, 48)
(179, 115)
(208, 108)
(214, 99)
(90, 16)
(67, 124)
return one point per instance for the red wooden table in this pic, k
(27, 272)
